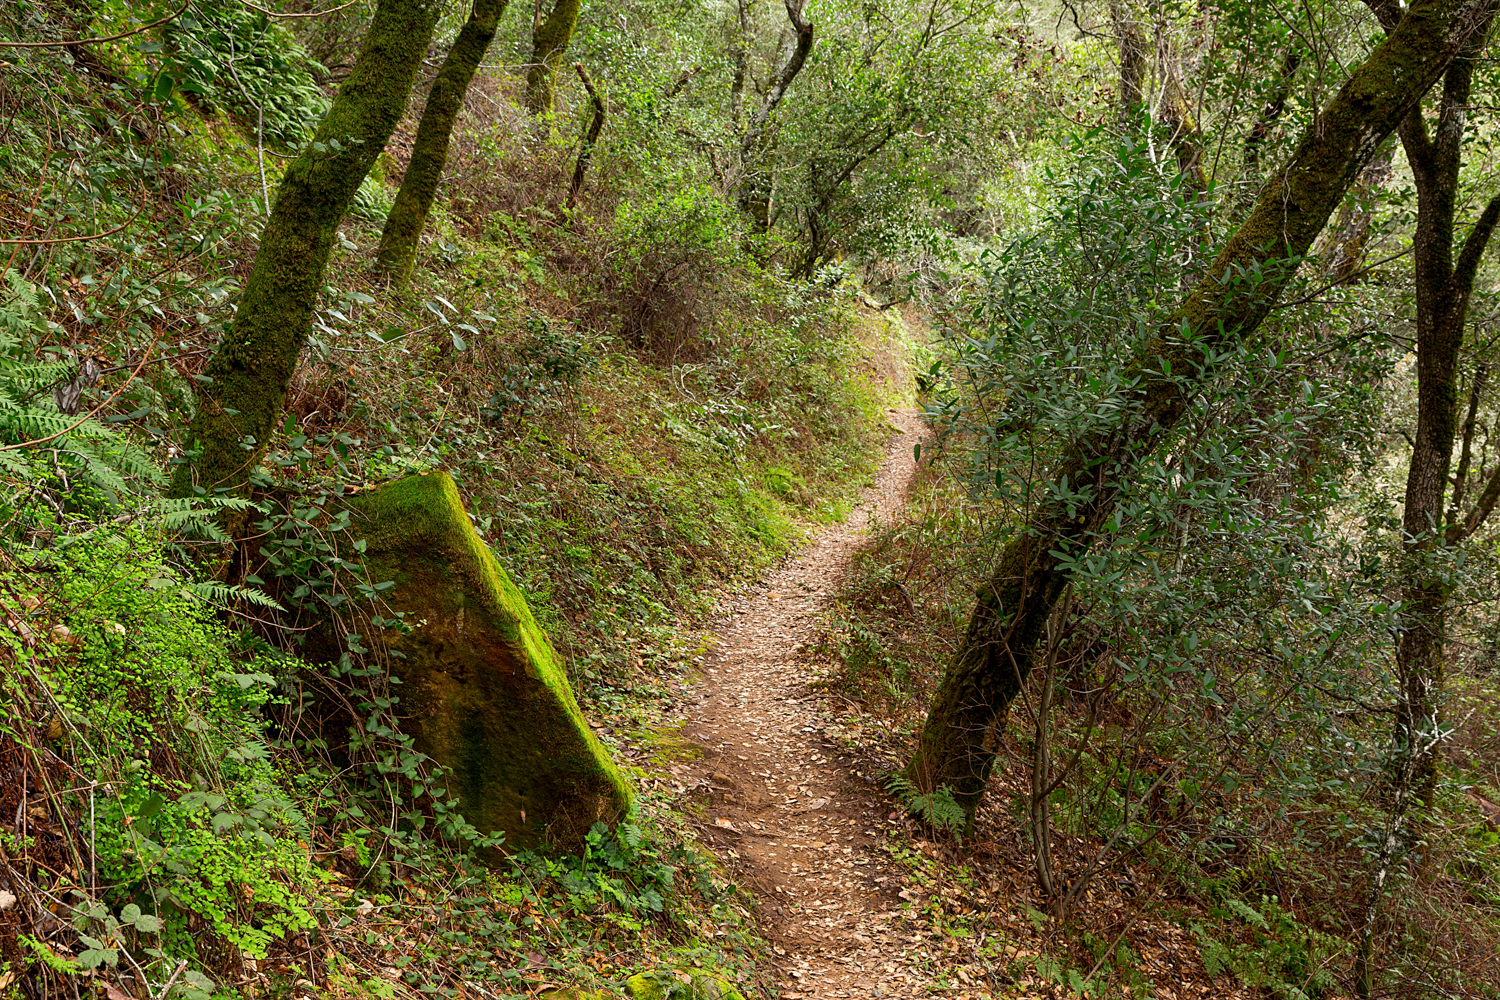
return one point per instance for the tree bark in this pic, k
(1443, 285)
(755, 175)
(596, 125)
(1132, 64)
(549, 43)
(963, 729)
(238, 408)
(429, 153)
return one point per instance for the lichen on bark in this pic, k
(241, 402)
(429, 154)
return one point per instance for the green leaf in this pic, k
(95, 957)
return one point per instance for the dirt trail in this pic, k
(784, 815)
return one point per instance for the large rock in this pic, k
(699, 986)
(483, 691)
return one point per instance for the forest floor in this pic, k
(788, 812)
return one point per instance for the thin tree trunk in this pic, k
(429, 153)
(1132, 64)
(240, 404)
(1443, 285)
(595, 126)
(1345, 243)
(1275, 107)
(549, 43)
(741, 64)
(964, 725)
(755, 176)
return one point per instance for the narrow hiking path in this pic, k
(784, 814)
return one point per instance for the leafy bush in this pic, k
(153, 712)
(242, 62)
(1283, 956)
(53, 451)
(673, 249)
(626, 873)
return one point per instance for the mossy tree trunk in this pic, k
(549, 43)
(964, 725)
(238, 408)
(429, 153)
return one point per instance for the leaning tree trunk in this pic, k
(549, 43)
(429, 153)
(755, 149)
(964, 725)
(240, 403)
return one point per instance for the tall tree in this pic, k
(429, 153)
(241, 401)
(1434, 521)
(963, 727)
(550, 39)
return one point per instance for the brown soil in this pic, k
(787, 811)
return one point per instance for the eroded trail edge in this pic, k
(784, 814)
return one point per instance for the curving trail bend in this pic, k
(784, 814)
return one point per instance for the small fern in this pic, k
(1286, 958)
(39, 444)
(938, 809)
(224, 594)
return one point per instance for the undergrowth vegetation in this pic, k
(1203, 762)
(639, 414)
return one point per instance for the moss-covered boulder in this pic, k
(483, 692)
(700, 986)
(574, 993)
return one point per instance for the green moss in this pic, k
(669, 747)
(240, 406)
(644, 987)
(484, 691)
(429, 153)
(549, 43)
(703, 986)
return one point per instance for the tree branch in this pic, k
(1487, 499)
(592, 137)
(1387, 12)
(1474, 247)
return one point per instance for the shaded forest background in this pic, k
(1180, 667)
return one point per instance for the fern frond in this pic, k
(221, 595)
